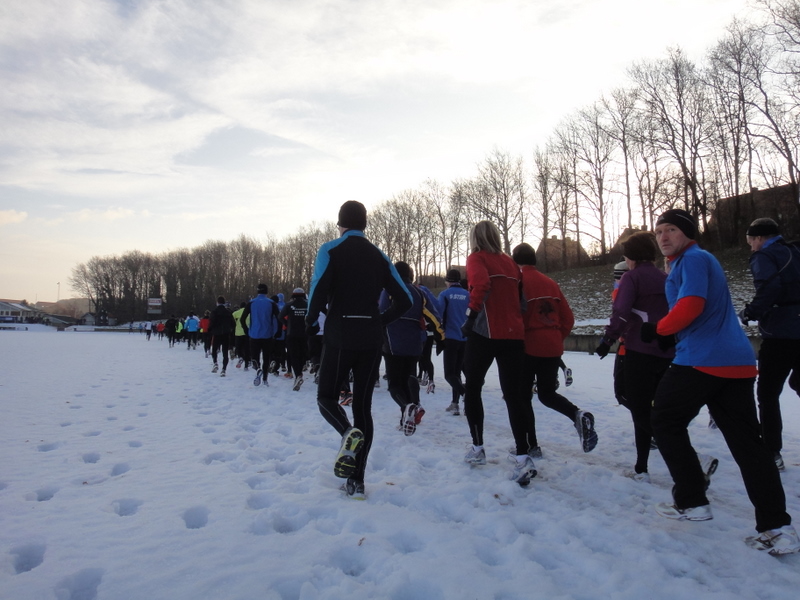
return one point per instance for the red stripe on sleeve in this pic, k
(686, 310)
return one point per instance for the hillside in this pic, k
(589, 289)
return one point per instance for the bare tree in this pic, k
(545, 189)
(499, 194)
(621, 110)
(594, 149)
(674, 97)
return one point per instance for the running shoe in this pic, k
(352, 441)
(475, 456)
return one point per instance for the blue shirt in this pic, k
(453, 304)
(715, 338)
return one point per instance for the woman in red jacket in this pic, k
(495, 331)
(548, 321)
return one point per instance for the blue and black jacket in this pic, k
(349, 274)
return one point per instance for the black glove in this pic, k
(312, 329)
(469, 324)
(603, 349)
(743, 317)
(648, 333)
(666, 342)
(440, 346)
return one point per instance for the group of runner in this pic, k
(685, 349)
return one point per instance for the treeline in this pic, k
(680, 134)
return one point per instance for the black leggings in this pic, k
(642, 373)
(217, 342)
(544, 369)
(403, 385)
(334, 370)
(297, 347)
(479, 355)
(453, 366)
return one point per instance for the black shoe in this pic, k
(584, 423)
(354, 489)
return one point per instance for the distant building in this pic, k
(16, 311)
(728, 221)
(554, 254)
(615, 253)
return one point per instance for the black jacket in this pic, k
(293, 316)
(222, 322)
(349, 274)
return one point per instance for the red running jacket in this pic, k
(549, 318)
(495, 293)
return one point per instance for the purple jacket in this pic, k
(640, 298)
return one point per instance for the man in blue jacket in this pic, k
(714, 366)
(453, 304)
(349, 275)
(775, 266)
(263, 326)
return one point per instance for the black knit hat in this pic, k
(453, 276)
(262, 288)
(352, 215)
(763, 227)
(524, 254)
(681, 219)
(640, 246)
(404, 270)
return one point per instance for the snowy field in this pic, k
(130, 472)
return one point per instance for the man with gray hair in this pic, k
(775, 266)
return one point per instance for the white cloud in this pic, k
(109, 214)
(8, 217)
(103, 101)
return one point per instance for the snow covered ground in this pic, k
(130, 472)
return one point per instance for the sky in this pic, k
(157, 125)
(133, 472)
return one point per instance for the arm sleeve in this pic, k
(767, 284)
(686, 310)
(567, 316)
(479, 283)
(400, 295)
(320, 281)
(431, 315)
(621, 308)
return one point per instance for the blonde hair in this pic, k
(485, 236)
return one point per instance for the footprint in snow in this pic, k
(80, 586)
(126, 507)
(27, 557)
(91, 457)
(120, 469)
(196, 517)
(42, 495)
